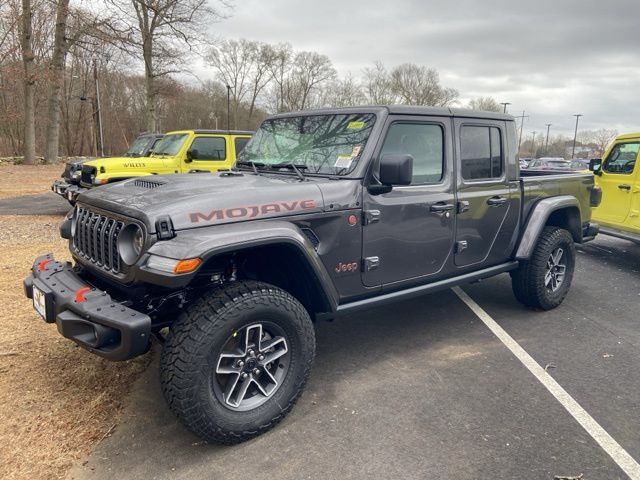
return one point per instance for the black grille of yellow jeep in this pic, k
(88, 174)
(96, 239)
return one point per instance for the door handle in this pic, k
(624, 186)
(441, 207)
(496, 201)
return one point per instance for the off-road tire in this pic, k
(528, 280)
(190, 354)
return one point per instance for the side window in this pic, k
(481, 153)
(240, 143)
(622, 158)
(425, 142)
(209, 148)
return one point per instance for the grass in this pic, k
(58, 401)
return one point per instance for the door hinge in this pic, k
(370, 263)
(461, 246)
(370, 216)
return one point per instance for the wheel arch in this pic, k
(562, 211)
(275, 252)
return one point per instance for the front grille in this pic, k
(88, 174)
(96, 239)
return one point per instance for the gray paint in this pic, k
(414, 245)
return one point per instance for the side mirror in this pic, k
(396, 169)
(191, 154)
(595, 165)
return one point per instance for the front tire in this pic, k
(235, 362)
(543, 281)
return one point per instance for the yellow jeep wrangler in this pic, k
(618, 175)
(181, 151)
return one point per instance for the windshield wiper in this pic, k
(252, 164)
(296, 167)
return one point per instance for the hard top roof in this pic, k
(403, 110)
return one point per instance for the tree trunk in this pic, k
(150, 87)
(28, 59)
(56, 73)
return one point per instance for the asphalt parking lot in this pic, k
(423, 389)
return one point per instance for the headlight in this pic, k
(131, 243)
(74, 221)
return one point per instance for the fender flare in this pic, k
(538, 219)
(209, 242)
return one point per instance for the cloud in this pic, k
(550, 58)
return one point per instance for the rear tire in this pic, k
(216, 367)
(543, 281)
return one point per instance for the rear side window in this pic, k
(425, 143)
(622, 158)
(240, 143)
(481, 153)
(209, 148)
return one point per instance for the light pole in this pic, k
(228, 108)
(533, 144)
(504, 104)
(521, 117)
(575, 135)
(546, 142)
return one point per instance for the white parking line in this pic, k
(619, 455)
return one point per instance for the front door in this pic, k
(619, 172)
(408, 232)
(208, 152)
(485, 197)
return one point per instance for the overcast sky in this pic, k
(550, 58)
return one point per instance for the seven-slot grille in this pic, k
(87, 174)
(96, 239)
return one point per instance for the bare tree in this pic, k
(346, 92)
(310, 70)
(28, 59)
(486, 104)
(419, 85)
(378, 85)
(165, 32)
(599, 139)
(281, 66)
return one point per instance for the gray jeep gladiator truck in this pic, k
(327, 212)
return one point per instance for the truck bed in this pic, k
(544, 183)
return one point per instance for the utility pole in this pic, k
(575, 135)
(546, 142)
(228, 108)
(533, 144)
(504, 104)
(98, 112)
(521, 117)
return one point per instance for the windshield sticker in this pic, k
(355, 125)
(343, 161)
(356, 151)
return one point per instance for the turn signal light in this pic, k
(186, 266)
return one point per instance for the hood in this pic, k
(110, 162)
(201, 199)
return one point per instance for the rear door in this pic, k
(209, 152)
(488, 200)
(408, 232)
(618, 182)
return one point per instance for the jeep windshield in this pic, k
(170, 144)
(322, 144)
(137, 147)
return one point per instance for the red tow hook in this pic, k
(80, 294)
(42, 264)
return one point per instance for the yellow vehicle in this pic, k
(181, 151)
(618, 175)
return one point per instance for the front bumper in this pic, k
(87, 315)
(70, 191)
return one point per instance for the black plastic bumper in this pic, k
(86, 315)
